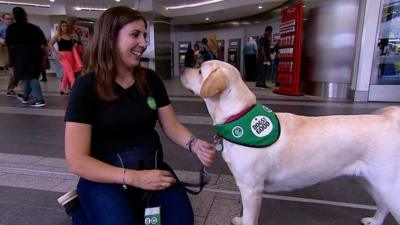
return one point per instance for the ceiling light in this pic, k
(51, 0)
(25, 4)
(89, 9)
(207, 18)
(192, 5)
(117, 0)
(260, 7)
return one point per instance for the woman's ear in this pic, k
(214, 84)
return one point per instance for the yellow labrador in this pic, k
(309, 149)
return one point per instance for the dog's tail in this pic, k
(390, 112)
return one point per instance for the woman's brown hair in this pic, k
(102, 55)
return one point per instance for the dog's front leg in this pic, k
(251, 200)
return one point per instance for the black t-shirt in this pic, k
(120, 124)
(265, 44)
(65, 45)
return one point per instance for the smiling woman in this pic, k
(107, 51)
(110, 136)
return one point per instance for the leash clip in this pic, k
(218, 143)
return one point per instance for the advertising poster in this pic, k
(289, 54)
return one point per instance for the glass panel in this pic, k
(388, 47)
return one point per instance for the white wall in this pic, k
(43, 22)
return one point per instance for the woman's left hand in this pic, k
(204, 151)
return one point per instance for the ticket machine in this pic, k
(182, 48)
(234, 52)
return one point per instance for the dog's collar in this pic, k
(238, 115)
(256, 126)
(218, 140)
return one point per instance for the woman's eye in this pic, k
(199, 72)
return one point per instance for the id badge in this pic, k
(152, 216)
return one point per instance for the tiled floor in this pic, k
(33, 171)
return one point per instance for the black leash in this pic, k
(204, 178)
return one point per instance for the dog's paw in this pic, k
(237, 220)
(370, 221)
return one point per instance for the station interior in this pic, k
(331, 57)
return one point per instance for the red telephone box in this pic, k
(291, 32)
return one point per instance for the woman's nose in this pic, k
(143, 41)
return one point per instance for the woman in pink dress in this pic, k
(65, 55)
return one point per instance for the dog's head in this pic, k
(221, 87)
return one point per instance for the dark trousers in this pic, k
(250, 65)
(12, 83)
(263, 72)
(44, 75)
(110, 204)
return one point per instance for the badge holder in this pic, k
(152, 216)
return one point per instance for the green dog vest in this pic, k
(257, 128)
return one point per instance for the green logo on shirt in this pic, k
(151, 103)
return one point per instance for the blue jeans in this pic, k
(32, 85)
(110, 204)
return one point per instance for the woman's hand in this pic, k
(204, 151)
(149, 179)
(58, 55)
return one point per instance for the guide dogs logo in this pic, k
(261, 126)
(237, 132)
(152, 220)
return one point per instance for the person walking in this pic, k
(264, 58)
(4, 55)
(65, 55)
(25, 42)
(189, 57)
(205, 51)
(250, 59)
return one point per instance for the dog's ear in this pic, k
(215, 83)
